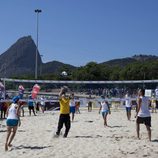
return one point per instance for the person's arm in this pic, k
(149, 103)
(131, 103)
(108, 107)
(18, 114)
(100, 107)
(139, 106)
(61, 92)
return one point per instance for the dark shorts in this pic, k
(12, 122)
(144, 120)
(128, 109)
(72, 109)
(31, 107)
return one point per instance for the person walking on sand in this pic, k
(105, 109)
(153, 105)
(64, 117)
(128, 106)
(77, 106)
(42, 104)
(72, 106)
(143, 114)
(90, 103)
(31, 106)
(13, 119)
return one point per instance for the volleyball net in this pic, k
(112, 90)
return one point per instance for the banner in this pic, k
(35, 90)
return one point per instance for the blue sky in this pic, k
(79, 31)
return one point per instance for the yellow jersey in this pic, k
(64, 105)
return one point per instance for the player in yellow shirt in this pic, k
(64, 117)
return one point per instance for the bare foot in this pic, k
(138, 138)
(107, 126)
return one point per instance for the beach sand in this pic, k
(87, 137)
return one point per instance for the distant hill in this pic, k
(125, 61)
(19, 60)
(56, 67)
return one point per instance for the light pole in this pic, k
(37, 11)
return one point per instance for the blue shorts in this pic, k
(72, 109)
(105, 112)
(12, 122)
(128, 109)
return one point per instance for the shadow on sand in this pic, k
(155, 140)
(97, 136)
(116, 126)
(31, 147)
(89, 121)
(1, 131)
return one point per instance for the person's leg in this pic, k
(29, 111)
(152, 109)
(33, 109)
(60, 124)
(73, 115)
(127, 114)
(155, 107)
(1, 113)
(8, 136)
(42, 109)
(91, 108)
(12, 136)
(130, 114)
(23, 112)
(67, 125)
(138, 129)
(105, 119)
(5, 111)
(149, 132)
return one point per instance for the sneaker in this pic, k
(64, 136)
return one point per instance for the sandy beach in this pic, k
(87, 137)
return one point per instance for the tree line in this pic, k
(146, 70)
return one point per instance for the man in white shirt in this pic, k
(143, 113)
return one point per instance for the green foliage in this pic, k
(138, 70)
(92, 71)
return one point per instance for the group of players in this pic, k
(68, 105)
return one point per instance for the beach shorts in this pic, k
(144, 120)
(30, 107)
(12, 122)
(72, 109)
(128, 109)
(105, 112)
